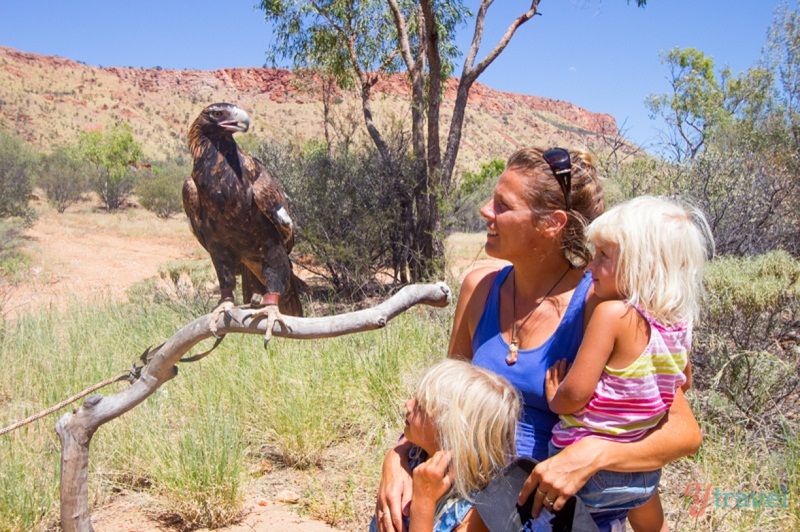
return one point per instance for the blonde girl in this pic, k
(463, 418)
(647, 267)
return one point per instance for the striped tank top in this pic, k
(630, 401)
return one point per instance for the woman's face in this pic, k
(510, 227)
(419, 428)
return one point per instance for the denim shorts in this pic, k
(609, 490)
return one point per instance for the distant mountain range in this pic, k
(48, 100)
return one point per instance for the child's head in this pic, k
(470, 412)
(651, 251)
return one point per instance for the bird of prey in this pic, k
(238, 212)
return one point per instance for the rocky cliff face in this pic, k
(49, 100)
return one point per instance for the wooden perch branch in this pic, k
(76, 429)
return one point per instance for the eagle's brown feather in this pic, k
(238, 211)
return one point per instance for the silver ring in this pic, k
(548, 501)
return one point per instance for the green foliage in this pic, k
(462, 211)
(734, 142)
(317, 35)
(12, 261)
(113, 153)
(747, 344)
(17, 163)
(489, 171)
(64, 178)
(702, 104)
(347, 211)
(159, 190)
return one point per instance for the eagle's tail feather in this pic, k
(290, 301)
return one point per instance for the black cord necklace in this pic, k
(513, 346)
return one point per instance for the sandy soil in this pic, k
(86, 252)
(125, 514)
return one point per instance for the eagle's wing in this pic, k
(271, 200)
(191, 205)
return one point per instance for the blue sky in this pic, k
(600, 54)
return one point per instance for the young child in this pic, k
(647, 269)
(463, 418)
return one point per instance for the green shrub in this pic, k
(347, 211)
(12, 260)
(113, 153)
(16, 171)
(746, 345)
(63, 178)
(475, 189)
(159, 190)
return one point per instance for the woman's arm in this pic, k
(471, 300)
(394, 491)
(561, 476)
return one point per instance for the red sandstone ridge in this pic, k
(59, 97)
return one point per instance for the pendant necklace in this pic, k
(513, 346)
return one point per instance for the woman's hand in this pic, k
(553, 481)
(431, 482)
(394, 491)
(555, 375)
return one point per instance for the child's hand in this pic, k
(555, 376)
(431, 479)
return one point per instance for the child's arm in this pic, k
(431, 482)
(688, 373)
(568, 394)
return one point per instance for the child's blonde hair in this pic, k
(475, 413)
(663, 246)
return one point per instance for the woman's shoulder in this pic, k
(481, 274)
(479, 281)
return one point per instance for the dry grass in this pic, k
(314, 416)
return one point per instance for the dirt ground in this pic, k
(87, 252)
(124, 514)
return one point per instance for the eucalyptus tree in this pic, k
(357, 42)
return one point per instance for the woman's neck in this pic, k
(536, 274)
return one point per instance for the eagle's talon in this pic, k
(272, 314)
(222, 309)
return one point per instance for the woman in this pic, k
(518, 321)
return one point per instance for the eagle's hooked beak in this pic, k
(239, 121)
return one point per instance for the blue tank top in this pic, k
(489, 350)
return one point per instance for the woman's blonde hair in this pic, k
(663, 246)
(544, 195)
(475, 413)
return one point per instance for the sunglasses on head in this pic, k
(561, 165)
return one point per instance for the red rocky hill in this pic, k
(49, 100)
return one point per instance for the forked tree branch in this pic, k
(76, 429)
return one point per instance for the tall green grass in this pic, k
(190, 443)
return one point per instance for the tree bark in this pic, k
(468, 77)
(76, 429)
